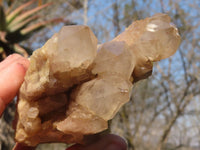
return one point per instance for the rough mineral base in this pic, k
(71, 89)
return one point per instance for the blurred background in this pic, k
(164, 110)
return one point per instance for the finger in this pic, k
(19, 146)
(11, 78)
(106, 142)
(10, 59)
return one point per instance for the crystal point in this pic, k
(151, 39)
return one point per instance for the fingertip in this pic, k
(11, 77)
(24, 62)
(15, 76)
(14, 58)
(9, 60)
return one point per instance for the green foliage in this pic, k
(18, 25)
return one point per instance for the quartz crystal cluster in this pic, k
(71, 89)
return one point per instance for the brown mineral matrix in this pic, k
(71, 89)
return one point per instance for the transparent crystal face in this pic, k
(114, 58)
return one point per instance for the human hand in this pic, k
(12, 72)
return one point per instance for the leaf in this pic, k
(20, 50)
(1, 50)
(2, 19)
(3, 37)
(27, 14)
(14, 13)
(39, 25)
(25, 33)
(9, 9)
(22, 24)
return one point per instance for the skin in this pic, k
(12, 72)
